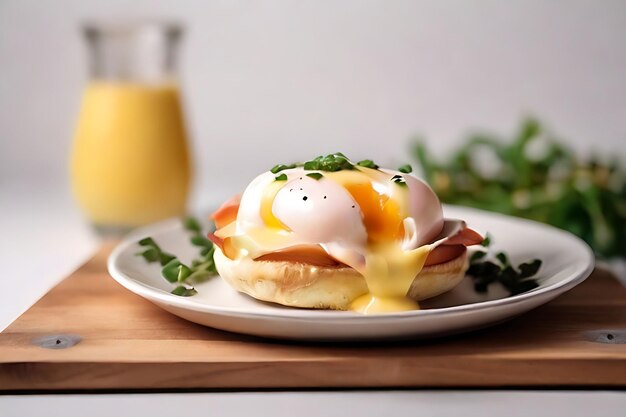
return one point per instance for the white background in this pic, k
(276, 81)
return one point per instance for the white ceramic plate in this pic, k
(567, 261)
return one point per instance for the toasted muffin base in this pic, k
(334, 288)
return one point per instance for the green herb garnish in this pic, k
(406, 169)
(183, 291)
(174, 271)
(153, 253)
(314, 175)
(331, 163)
(515, 280)
(281, 177)
(281, 167)
(367, 163)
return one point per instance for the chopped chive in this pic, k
(407, 169)
(367, 163)
(184, 291)
(486, 241)
(330, 163)
(282, 167)
(281, 177)
(312, 165)
(314, 175)
(277, 169)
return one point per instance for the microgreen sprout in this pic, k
(174, 271)
(486, 272)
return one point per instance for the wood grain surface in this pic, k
(129, 344)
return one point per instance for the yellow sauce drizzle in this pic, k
(389, 272)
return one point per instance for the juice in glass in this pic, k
(130, 163)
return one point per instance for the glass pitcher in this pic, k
(130, 162)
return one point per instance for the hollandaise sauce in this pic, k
(130, 163)
(389, 272)
(388, 269)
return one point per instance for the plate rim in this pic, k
(140, 288)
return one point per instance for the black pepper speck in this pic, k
(305, 198)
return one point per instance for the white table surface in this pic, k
(44, 238)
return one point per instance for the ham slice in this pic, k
(453, 247)
(227, 213)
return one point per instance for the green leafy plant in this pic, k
(536, 177)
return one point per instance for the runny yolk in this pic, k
(381, 214)
(389, 272)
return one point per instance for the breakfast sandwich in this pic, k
(334, 234)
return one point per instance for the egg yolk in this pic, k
(381, 215)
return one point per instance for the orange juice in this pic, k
(130, 162)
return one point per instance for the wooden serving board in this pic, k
(126, 343)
